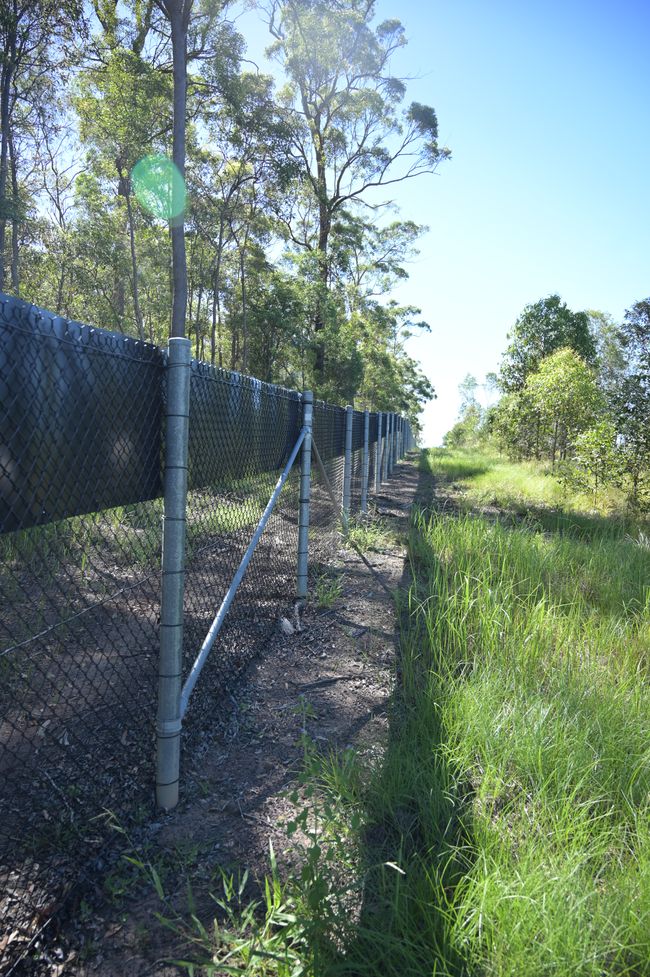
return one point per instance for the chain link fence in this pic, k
(82, 500)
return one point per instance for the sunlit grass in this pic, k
(488, 479)
(541, 646)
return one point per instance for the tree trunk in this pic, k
(216, 308)
(119, 303)
(59, 291)
(179, 15)
(244, 307)
(5, 82)
(15, 223)
(324, 225)
(234, 343)
(213, 330)
(197, 321)
(554, 443)
(134, 261)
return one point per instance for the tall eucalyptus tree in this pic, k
(351, 132)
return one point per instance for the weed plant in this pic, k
(327, 588)
(369, 534)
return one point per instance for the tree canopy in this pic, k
(543, 328)
(576, 393)
(282, 260)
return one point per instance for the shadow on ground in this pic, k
(410, 839)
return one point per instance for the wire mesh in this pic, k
(81, 453)
(242, 432)
(79, 589)
(329, 439)
(357, 460)
(372, 451)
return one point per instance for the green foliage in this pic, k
(278, 286)
(350, 133)
(564, 398)
(368, 534)
(630, 403)
(590, 412)
(611, 359)
(557, 402)
(543, 328)
(475, 423)
(596, 461)
(328, 588)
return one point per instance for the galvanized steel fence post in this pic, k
(170, 664)
(347, 469)
(386, 444)
(365, 465)
(305, 492)
(378, 454)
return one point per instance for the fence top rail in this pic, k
(21, 316)
(25, 317)
(234, 378)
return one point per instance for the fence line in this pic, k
(133, 484)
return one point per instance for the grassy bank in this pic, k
(540, 642)
(521, 487)
(515, 791)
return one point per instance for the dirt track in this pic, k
(332, 680)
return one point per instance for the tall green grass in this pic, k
(541, 646)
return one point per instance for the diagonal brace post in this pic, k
(216, 625)
(305, 494)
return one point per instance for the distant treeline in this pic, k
(575, 391)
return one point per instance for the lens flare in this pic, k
(159, 186)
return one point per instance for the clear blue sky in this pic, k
(546, 108)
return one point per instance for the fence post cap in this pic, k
(307, 396)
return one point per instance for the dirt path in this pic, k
(332, 680)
